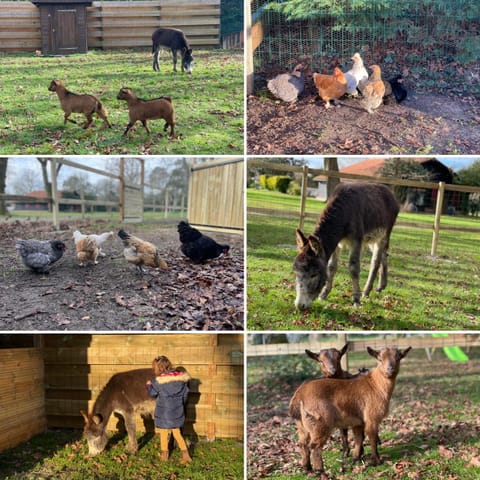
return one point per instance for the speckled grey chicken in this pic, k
(40, 255)
(288, 86)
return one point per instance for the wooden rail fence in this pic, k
(114, 24)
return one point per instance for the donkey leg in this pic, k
(174, 54)
(332, 267)
(383, 273)
(354, 269)
(377, 252)
(156, 54)
(132, 446)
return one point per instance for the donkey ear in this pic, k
(84, 415)
(315, 245)
(301, 239)
(97, 419)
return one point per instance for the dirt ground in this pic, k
(112, 295)
(425, 123)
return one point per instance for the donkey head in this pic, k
(95, 433)
(310, 268)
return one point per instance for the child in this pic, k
(170, 388)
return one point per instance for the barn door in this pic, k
(64, 31)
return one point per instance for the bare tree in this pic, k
(47, 184)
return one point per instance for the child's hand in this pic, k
(148, 383)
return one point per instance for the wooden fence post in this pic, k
(53, 174)
(303, 200)
(438, 214)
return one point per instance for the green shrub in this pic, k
(278, 182)
(294, 189)
(262, 180)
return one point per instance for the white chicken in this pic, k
(99, 239)
(357, 74)
(288, 86)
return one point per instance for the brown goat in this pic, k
(75, 103)
(319, 406)
(143, 110)
(330, 360)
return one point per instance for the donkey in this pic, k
(125, 394)
(357, 213)
(176, 41)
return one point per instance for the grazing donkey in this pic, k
(176, 41)
(125, 393)
(357, 213)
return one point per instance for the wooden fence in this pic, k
(117, 24)
(22, 400)
(216, 194)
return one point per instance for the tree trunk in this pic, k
(331, 164)
(47, 185)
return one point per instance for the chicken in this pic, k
(288, 86)
(373, 90)
(140, 252)
(398, 89)
(358, 73)
(330, 87)
(99, 239)
(40, 255)
(87, 248)
(198, 247)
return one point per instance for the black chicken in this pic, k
(40, 255)
(197, 246)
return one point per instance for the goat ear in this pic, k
(344, 350)
(372, 352)
(405, 352)
(301, 239)
(315, 245)
(312, 355)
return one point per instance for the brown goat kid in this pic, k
(321, 405)
(143, 110)
(79, 103)
(330, 361)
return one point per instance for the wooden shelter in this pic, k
(47, 379)
(63, 26)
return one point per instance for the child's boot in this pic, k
(185, 457)
(164, 455)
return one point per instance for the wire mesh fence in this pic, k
(433, 40)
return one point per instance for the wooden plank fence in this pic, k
(114, 24)
(216, 194)
(22, 400)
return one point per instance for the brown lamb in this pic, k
(79, 103)
(143, 110)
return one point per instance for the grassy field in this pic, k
(431, 432)
(63, 455)
(423, 293)
(209, 103)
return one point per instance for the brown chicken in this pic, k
(139, 252)
(87, 250)
(373, 90)
(330, 87)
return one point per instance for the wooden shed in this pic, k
(47, 379)
(63, 26)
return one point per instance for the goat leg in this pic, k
(359, 436)
(129, 126)
(144, 123)
(66, 119)
(345, 446)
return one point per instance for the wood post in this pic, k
(438, 214)
(53, 175)
(303, 200)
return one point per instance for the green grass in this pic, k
(429, 434)
(63, 455)
(423, 293)
(208, 103)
